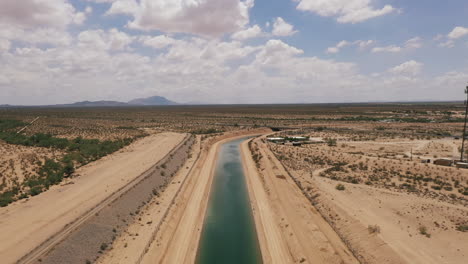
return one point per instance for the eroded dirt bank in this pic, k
(33, 222)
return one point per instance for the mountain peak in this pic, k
(153, 100)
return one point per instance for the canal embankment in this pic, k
(290, 229)
(179, 236)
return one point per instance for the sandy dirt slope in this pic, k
(132, 244)
(399, 216)
(178, 240)
(271, 238)
(29, 223)
(291, 230)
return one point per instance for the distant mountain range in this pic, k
(149, 101)
(153, 100)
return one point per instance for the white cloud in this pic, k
(282, 28)
(458, 32)
(47, 35)
(101, 64)
(247, 33)
(333, 50)
(4, 45)
(449, 40)
(39, 13)
(414, 43)
(158, 42)
(362, 44)
(391, 49)
(88, 10)
(412, 68)
(411, 44)
(346, 11)
(201, 17)
(112, 39)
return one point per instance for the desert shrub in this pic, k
(331, 142)
(340, 187)
(423, 231)
(103, 246)
(7, 124)
(462, 227)
(35, 190)
(6, 198)
(373, 229)
(206, 131)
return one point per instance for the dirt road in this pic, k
(290, 228)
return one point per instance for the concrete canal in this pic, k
(229, 234)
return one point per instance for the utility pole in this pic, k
(27, 125)
(464, 126)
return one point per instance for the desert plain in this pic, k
(350, 183)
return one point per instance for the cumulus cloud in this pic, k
(112, 39)
(411, 68)
(247, 33)
(362, 44)
(455, 34)
(458, 32)
(413, 43)
(39, 13)
(46, 35)
(201, 17)
(158, 42)
(391, 48)
(346, 11)
(449, 40)
(282, 28)
(4, 45)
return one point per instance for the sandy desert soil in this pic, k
(178, 240)
(18, 163)
(30, 222)
(390, 208)
(399, 217)
(290, 229)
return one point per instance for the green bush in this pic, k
(340, 187)
(6, 124)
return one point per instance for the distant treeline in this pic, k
(79, 151)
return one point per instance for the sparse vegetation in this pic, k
(423, 231)
(79, 151)
(103, 246)
(340, 187)
(462, 227)
(373, 229)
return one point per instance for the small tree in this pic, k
(331, 142)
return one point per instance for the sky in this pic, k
(233, 51)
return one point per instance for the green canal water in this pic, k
(229, 234)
